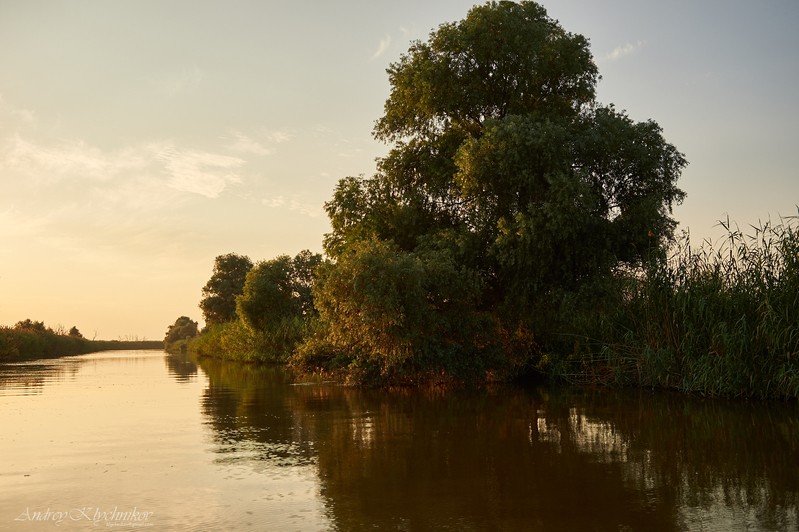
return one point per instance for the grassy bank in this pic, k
(235, 341)
(29, 344)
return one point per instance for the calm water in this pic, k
(137, 439)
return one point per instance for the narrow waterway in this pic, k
(140, 439)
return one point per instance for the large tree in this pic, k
(503, 162)
(498, 136)
(218, 303)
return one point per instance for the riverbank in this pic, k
(720, 320)
(28, 344)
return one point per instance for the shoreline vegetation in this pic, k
(31, 340)
(721, 320)
(517, 228)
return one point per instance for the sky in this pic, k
(140, 139)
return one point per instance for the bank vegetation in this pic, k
(517, 227)
(29, 340)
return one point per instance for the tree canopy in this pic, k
(218, 303)
(503, 160)
(278, 289)
(183, 328)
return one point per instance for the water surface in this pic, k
(146, 440)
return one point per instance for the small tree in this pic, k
(276, 303)
(218, 303)
(183, 328)
(278, 289)
(75, 333)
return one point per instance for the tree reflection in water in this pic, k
(181, 367)
(514, 459)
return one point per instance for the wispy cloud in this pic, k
(241, 143)
(180, 82)
(312, 211)
(24, 224)
(277, 201)
(385, 42)
(200, 172)
(259, 144)
(10, 115)
(624, 50)
(294, 205)
(279, 137)
(187, 170)
(76, 159)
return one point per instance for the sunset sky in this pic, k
(139, 139)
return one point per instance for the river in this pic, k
(144, 440)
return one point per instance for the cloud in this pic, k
(277, 201)
(181, 82)
(200, 172)
(305, 209)
(76, 159)
(241, 143)
(24, 224)
(279, 137)
(385, 42)
(294, 205)
(624, 50)
(10, 115)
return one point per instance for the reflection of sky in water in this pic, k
(113, 430)
(29, 378)
(591, 436)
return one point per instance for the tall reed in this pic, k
(722, 319)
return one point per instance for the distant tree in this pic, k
(277, 304)
(75, 332)
(218, 303)
(36, 326)
(184, 327)
(268, 294)
(304, 267)
(278, 289)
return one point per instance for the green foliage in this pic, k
(715, 321)
(503, 59)
(516, 224)
(540, 194)
(273, 312)
(232, 340)
(218, 303)
(278, 289)
(390, 316)
(183, 328)
(268, 295)
(29, 340)
(277, 302)
(35, 326)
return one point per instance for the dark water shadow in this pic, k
(510, 458)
